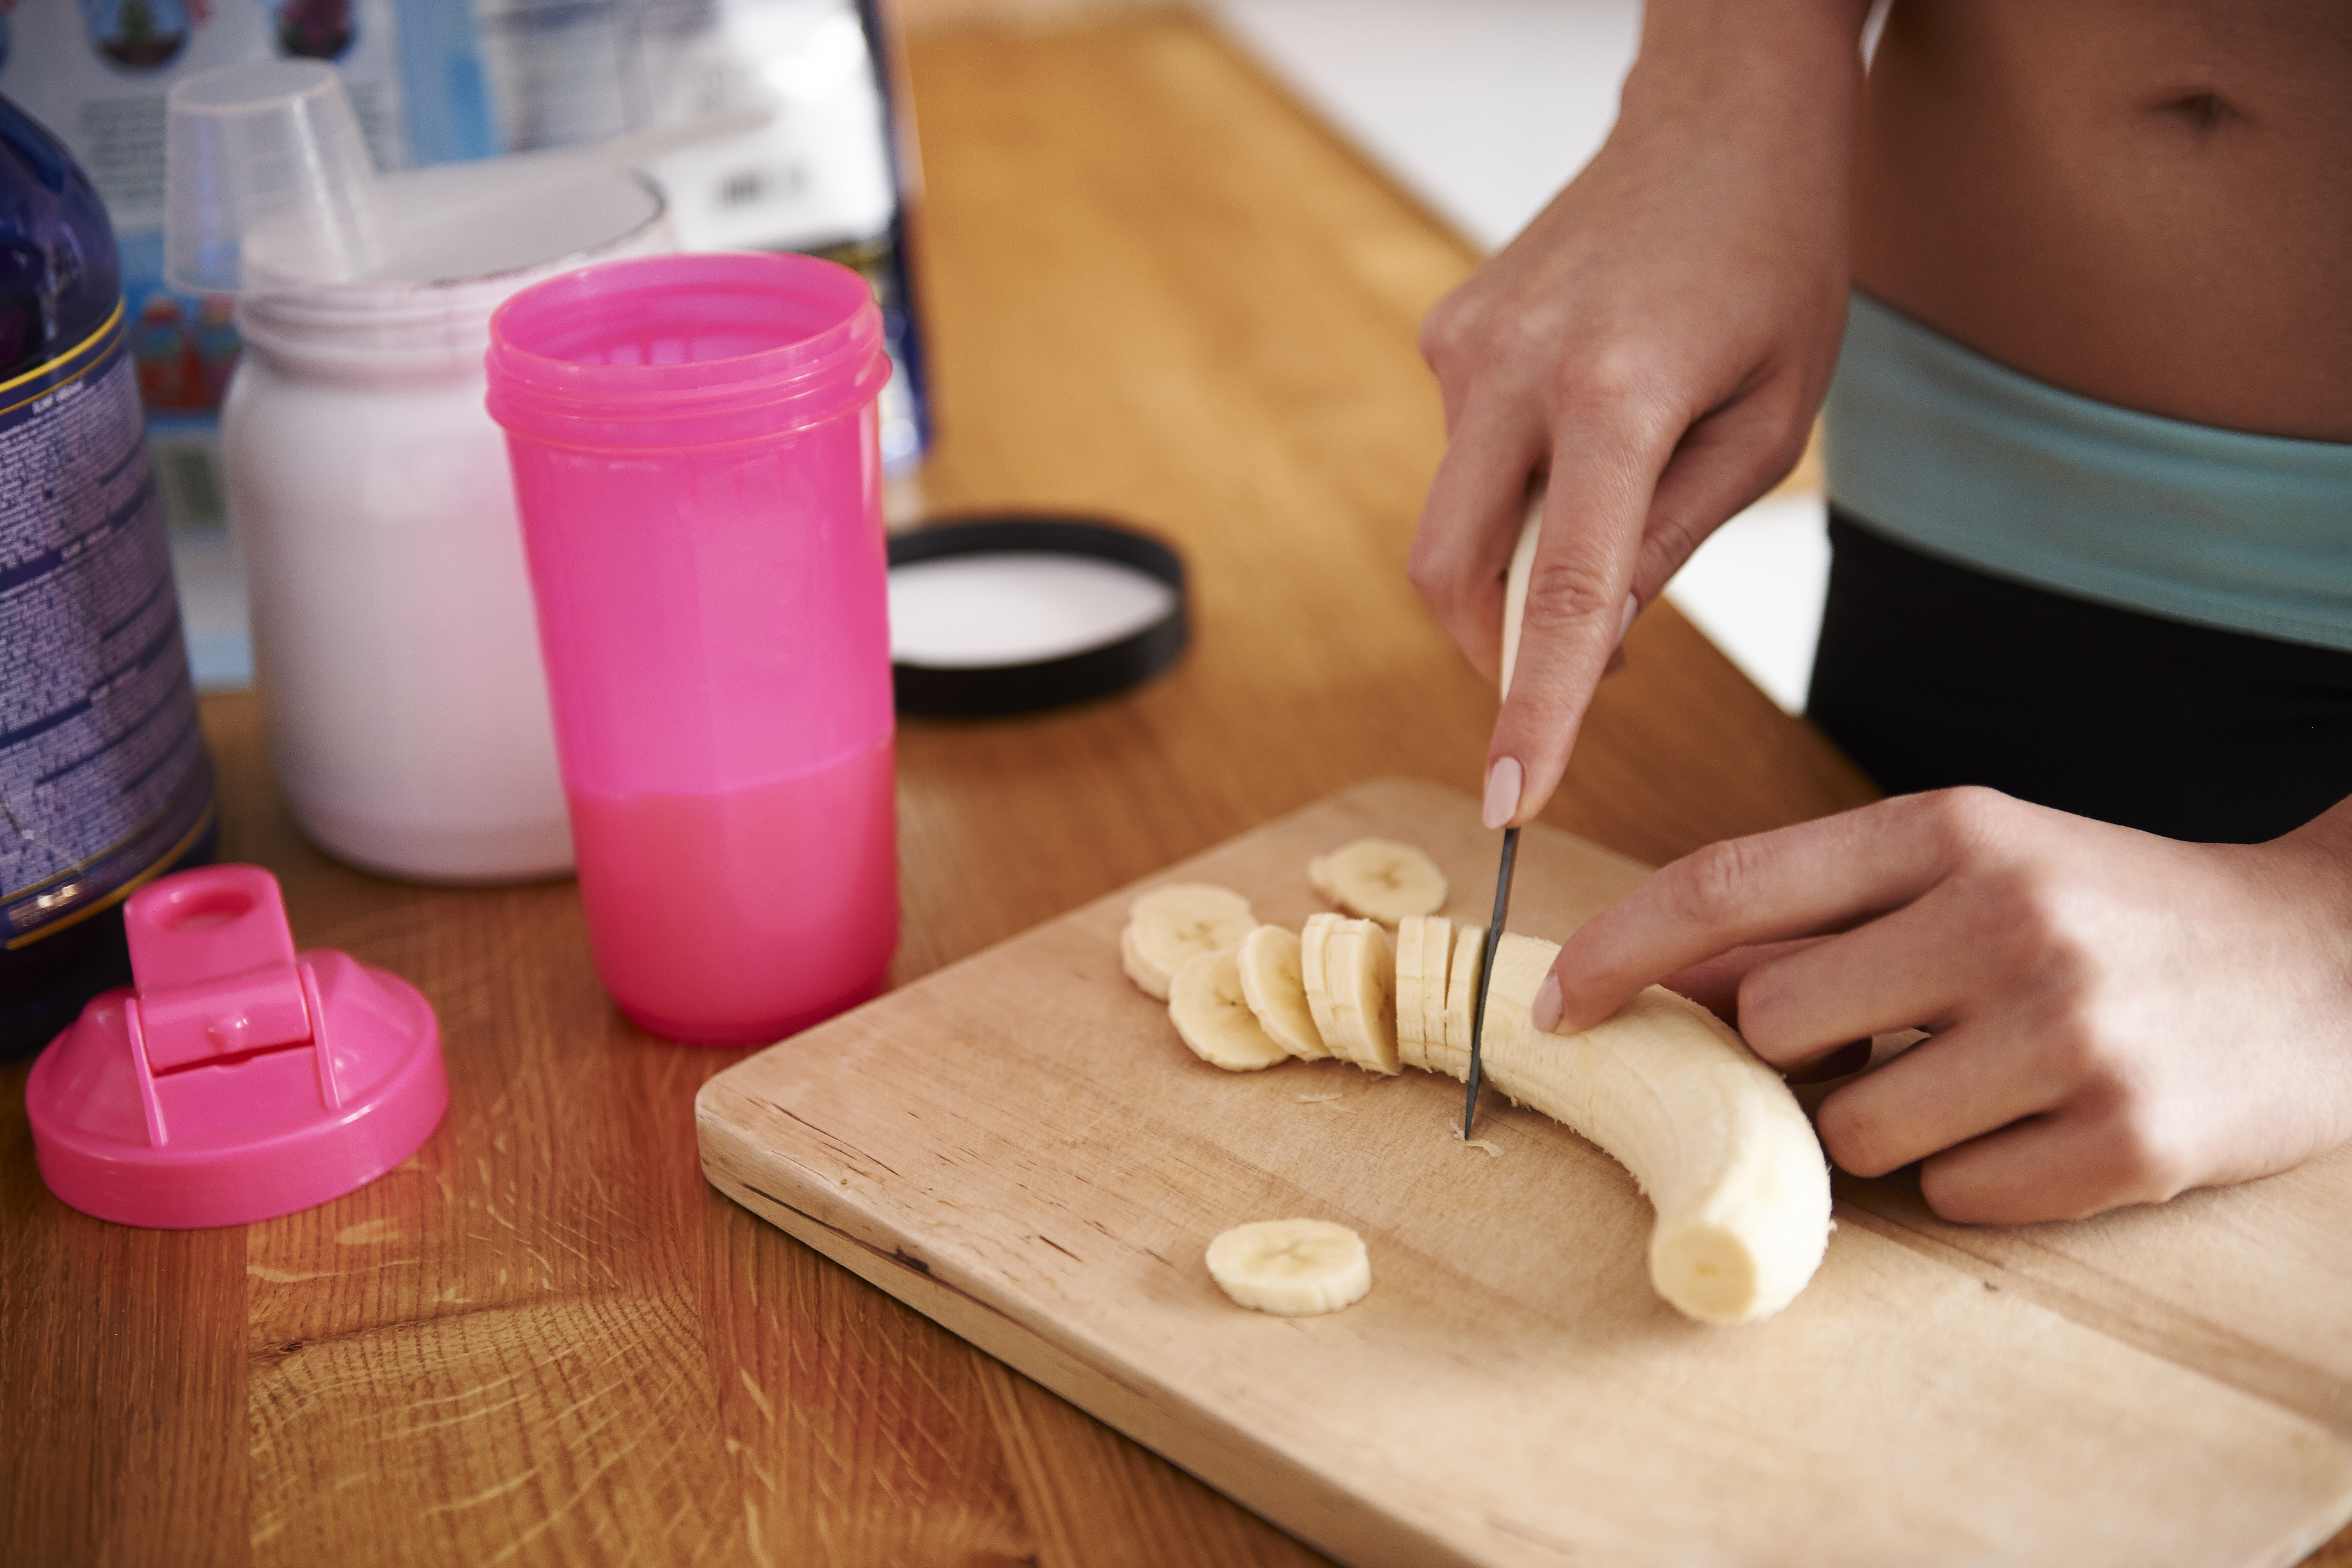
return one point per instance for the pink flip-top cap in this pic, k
(235, 1079)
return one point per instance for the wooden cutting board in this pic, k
(1020, 1147)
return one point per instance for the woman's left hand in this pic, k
(2114, 1017)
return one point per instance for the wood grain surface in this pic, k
(1021, 1146)
(1156, 289)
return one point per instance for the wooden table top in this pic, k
(1156, 289)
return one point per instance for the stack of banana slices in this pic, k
(1711, 1133)
(1245, 996)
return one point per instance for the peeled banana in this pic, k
(1380, 880)
(1169, 925)
(1206, 1005)
(1712, 1135)
(1291, 1267)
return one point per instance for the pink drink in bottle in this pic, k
(696, 464)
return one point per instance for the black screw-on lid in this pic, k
(1093, 652)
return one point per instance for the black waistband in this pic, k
(1931, 674)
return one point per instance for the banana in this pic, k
(1291, 1267)
(1360, 973)
(1313, 942)
(1276, 992)
(1411, 971)
(1206, 1005)
(1710, 1134)
(1461, 999)
(1437, 953)
(1171, 924)
(1380, 880)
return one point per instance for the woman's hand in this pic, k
(1657, 341)
(2113, 1017)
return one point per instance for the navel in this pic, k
(2204, 112)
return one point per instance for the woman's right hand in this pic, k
(1657, 341)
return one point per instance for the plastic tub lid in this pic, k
(234, 1079)
(996, 615)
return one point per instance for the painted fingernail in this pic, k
(1544, 1011)
(1503, 782)
(1625, 621)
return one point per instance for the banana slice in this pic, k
(1313, 942)
(1168, 926)
(1461, 997)
(1206, 1005)
(1291, 1267)
(1380, 878)
(1341, 955)
(1709, 1133)
(1437, 942)
(1359, 969)
(1411, 963)
(1276, 992)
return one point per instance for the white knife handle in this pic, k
(1515, 585)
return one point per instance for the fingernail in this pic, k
(1544, 1011)
(1625, 621)
(1503, 781)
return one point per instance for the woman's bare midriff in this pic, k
(2147, 202)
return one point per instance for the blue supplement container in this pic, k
(104, 780)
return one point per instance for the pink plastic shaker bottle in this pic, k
(696, 464)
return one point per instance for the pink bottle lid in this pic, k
(235, 1079)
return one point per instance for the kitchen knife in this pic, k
(1515, 609)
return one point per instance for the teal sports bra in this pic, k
(1936, 447)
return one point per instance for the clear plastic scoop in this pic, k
(269, 185)
(267, 155)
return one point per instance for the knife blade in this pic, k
(1515, 609)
